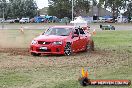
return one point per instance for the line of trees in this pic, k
(62, 8)
(18, 8)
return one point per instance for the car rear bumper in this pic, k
(52, 49)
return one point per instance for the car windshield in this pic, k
(58, 31)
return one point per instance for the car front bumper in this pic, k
(47, 49)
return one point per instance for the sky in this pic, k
(42, 3)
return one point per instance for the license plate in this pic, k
(43, 48)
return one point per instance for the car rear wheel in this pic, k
(68, 49)
(35, 54)
(90, 46)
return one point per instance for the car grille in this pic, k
(41, 50)
(43, 42)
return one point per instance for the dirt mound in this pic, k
(15, 51)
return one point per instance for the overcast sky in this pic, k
(42, 3)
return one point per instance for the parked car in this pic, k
(107, 27)
(16, 20)
(63, 40)
(12, 21)
(101, 20)
(24, 20)
(2, 20)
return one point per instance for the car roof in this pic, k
(64, 26)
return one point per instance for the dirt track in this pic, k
(20, 57)
(15, 51)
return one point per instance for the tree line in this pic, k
(62, 8)
(18, 8)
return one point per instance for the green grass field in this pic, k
(112, 59)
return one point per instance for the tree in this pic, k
(128, 13)
(59, 8)
(81, 7)
(20, 8)
(115, 5)
(62, 8)
(3, 4)
(129, 10)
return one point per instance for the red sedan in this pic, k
(62, 40)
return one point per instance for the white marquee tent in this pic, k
(79, 22)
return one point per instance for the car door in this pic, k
(75, 41)
(83, 40)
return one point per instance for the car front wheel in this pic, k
(68, 49)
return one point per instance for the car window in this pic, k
(76, 32)
(81, 31)
(58, 31)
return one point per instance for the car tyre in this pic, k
(113, 28)
(35, 54)
(68, 49)
(90, 46)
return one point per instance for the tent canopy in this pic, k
(79, 22)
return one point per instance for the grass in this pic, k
(112, 39)
(112, 59)
(13, 78)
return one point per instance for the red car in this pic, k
(62, 40)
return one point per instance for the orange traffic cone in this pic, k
(84, 74)
(21, 30)
(94, 32)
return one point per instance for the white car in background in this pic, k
(24, 20)
(10, 21)
(101, 20)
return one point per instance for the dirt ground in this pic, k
(15, 51)
(93, 59)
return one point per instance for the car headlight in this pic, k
(57, 43)
(34, 42)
